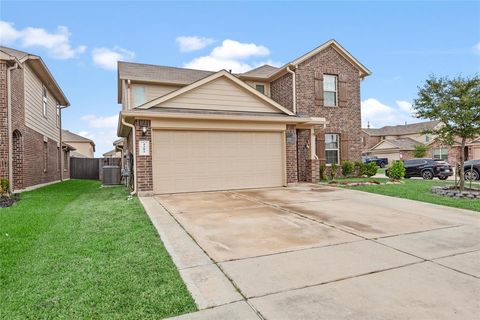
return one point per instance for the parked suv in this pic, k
(472, 170)
(427, 169)
(381, 162)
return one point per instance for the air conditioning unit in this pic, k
(111, 175)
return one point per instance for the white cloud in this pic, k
(103, 139)
(107, 58)
(405, 106)
(193, 43)
(476, 48)
(378, 114)
(94, 121)
(231, 55)
(56, 43)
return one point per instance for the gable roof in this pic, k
(400, 144)
(68, 136)
(330, 43)
(402, 129)
(41, 70)
(263, 72)
(221, 73)
(158, 74)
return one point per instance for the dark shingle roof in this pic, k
(402, 129)
(154, 73)
(264, 71)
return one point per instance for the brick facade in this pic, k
(291, 154)
(368, 142)
(343, 120)
(144, 177)
(29, 169)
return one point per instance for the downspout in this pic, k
(9, 126)
(128, 94)
(61, 147)
(294, 90)
(134, 156)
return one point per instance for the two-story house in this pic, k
(31, 103)
(193, 130)
(399, 142)
(84, 147)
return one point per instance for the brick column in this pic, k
(144, 178)
(291, 151)
(313, 173)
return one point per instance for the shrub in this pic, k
(420, 151)
(4, 185)
(371, 169)
(333, 170)
(396, 171)
(347, 168)
(323, 175)
(358, 168)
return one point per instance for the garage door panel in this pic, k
(188, 161)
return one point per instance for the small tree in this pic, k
(396, 171)
(323, 168)
(420, 151)
(456, 104)
(359, 168)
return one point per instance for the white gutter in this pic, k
(9, 126)
(294, 90)
(134, 156)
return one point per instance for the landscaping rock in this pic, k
(455, 193)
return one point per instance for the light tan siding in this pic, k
(83, 148)
(152, 91)
(34, 107)
(220, 94)
(476, 153)
(266, 84)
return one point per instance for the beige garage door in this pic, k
(476, 153)
(188, 161)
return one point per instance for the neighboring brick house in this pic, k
(31, 148)
(194, 130)
(84, 147)
(398, 142)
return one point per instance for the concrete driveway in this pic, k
(315, 252)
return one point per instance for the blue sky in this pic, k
(401, 42)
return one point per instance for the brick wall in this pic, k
(3, 121)
(28, 164)
(303, 153)
(369, 141)
(291, 153)
(342, 120)
(144, 177)
(281, 91)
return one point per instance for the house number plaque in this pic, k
(144, 148)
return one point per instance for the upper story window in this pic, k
(44, 101)
(330, 90)
(260, 88)
(138, 95)
(332, 148)
(427, 138)
(58, 115)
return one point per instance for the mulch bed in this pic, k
(7, 201)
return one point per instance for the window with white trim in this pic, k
(138, 95)
(44, 101)
(330, 90)
(440, 154)
(332, 148)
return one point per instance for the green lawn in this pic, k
(416, 190)
(75, 250)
